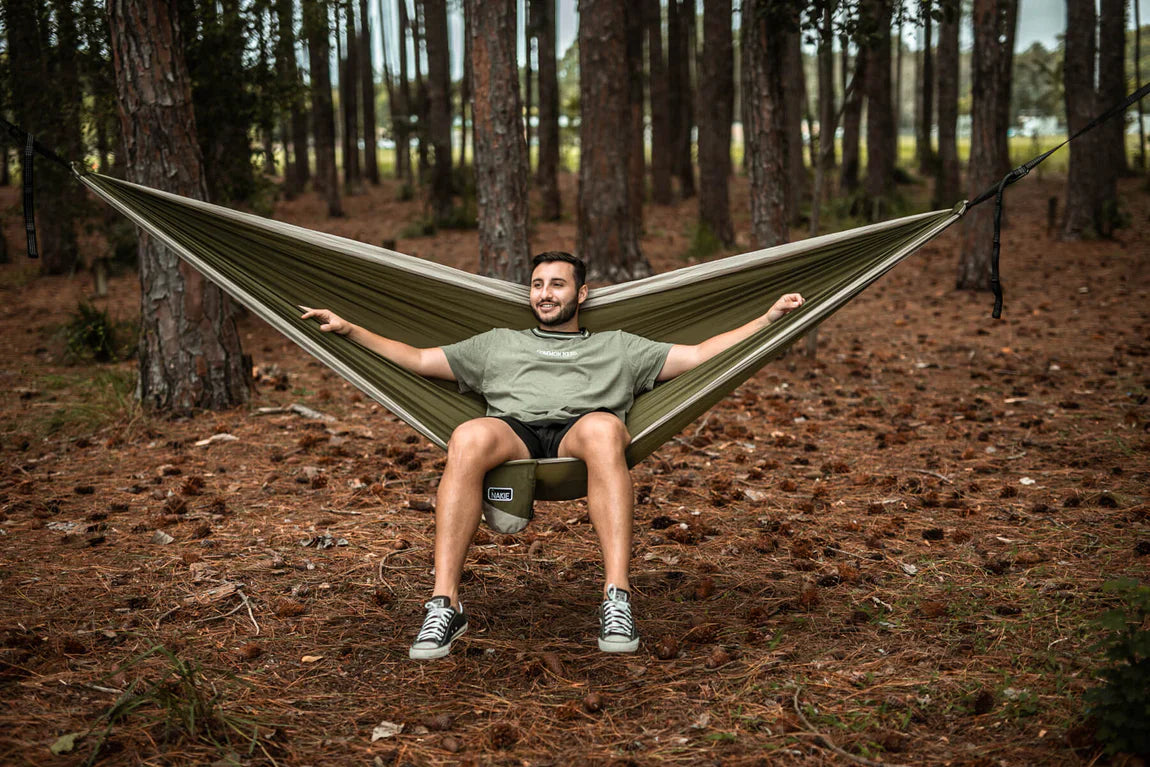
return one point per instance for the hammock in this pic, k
(273, 268)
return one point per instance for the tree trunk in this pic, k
(439, 107)
(500, 149)
(852, 122)
(315, 28)
(464, 88)
(189, 348)
(1083, 211)
(528, 37)
(716, 108)
(1138, 84)
(764, 121)
(680, 17)
(662, 129)
(828, 113)
(794, 105)
(923, 150)
(349, 101)
(548, 163)
(43, 106)
(989, 81)
(881, 138)
(402, 109)
(607, 235)
(1008, 25)
(267, 113)
(636, 167)
(1112, 90)
(947, 185)
(421, 96)
(367, 87)
(295, 176)
(897, 111)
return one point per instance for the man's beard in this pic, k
(566, 312)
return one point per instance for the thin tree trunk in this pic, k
(349, 97)
(1083, 213)
(716, 107)
(764, 121)
(367, 98)
(828, 122)
(439, 106)
(402, 118)
(189, 348)
(947, 185)
(681, 17)
(794, 105)
(464, 88)
(852, 123)
(898, 76)
(881, 138)
(548, 163)
(528, 36)
(923, 150)
(636, 166)
(267, 115)
(662, 127)
(315, 26)
(1112, 90)
(1009, 24)
(989, 80)
(288, 72)
(607, 234)
(421, 96)
(500, 149)
(1138, 84)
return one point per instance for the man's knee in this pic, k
(602, 431)
(472, 439)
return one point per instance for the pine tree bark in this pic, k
(852, 122)
(528, 39)
(401, 112)
(421, 95)
(881, 137)
(923, 150)
(500, 148)
(947, 186)
(764, 121)
(636, 167)
(607, 234)
(547, 172)
(828, 112)
(1083, 182)
(189, 349)
(349, 102)
(1112, 90)
(295, 177)
(1008, 27)
(315, 27)
(716, 110)
(662, 129)
(680, 20)
(439, 107)
(989, 82)
(794, 105)
(367, 97)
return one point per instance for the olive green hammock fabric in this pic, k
(273, 268)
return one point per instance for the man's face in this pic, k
(554, 299)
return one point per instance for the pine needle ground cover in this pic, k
(895, 552)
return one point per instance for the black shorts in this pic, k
(542, 438)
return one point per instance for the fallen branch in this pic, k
(826, 742)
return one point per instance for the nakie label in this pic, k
(504, 494)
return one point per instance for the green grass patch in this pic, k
(93, 402)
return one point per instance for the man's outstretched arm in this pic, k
(430, 362)
(682, 357)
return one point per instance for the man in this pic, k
(555, 390)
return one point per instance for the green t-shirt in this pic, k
(539, 375)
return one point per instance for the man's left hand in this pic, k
(784, 306)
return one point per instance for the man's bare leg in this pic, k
(476, 447)
(599, 440)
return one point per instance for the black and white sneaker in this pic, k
(616, 626)
(442, 625)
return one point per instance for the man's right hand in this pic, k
(330, 322)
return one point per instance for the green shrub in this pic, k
(1120, 708)
(92, 336)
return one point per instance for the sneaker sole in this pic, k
(431, 653)
(614, 645)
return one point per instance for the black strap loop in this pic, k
(29, 208)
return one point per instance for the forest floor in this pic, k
(898, 547)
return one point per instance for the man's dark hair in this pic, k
(557, 255)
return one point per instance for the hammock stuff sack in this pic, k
(274, 268)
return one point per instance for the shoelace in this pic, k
(435, 624)
(616, 614)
